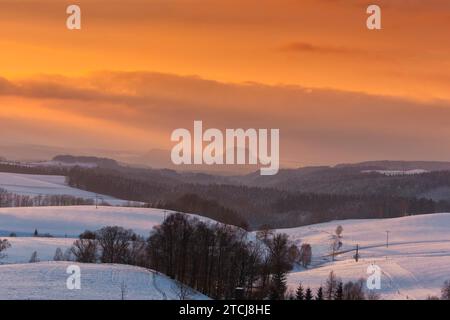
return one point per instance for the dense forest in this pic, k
(212, 258)
(220, 261)
(252, 206)
(227, 200)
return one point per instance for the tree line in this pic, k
(241, 205)
(8, 199)
(219, 260)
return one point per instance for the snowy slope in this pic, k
(415, 264)
(47, 280)
(35, 185)
(72, 220)
(413, 277)
(23, 247)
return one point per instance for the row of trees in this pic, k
(216, 259)
(243, 205)
(228, 202)
(335, 289)
(8, 199)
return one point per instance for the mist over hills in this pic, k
(293, 197)
(401, 178)
(399, 165)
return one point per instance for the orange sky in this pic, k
(145, 67)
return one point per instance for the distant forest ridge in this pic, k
(291, 198)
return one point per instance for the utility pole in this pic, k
(387, 239)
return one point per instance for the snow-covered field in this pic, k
(23, 247)
(35, 185)
(70, 221)
(47, 280)
(413, 266)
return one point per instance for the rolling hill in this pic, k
(70, 221)
(414, 265)
(47, 281)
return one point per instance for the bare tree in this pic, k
(339, 230)
(335, 246)
(114, 242)
(264, 233)
(85, 250)
(354, 290)
(331, 286)
(373, 295)
(4, 245)
(293, 254)
(34, 257)
(182, 291)
(59, 256)
(445, 291)
(305, 255)
(137, 252)
(68, 255)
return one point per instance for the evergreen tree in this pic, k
(278, 287)
(339, 293)
(36, 233)
(280, 265)
(300, 295)
(308, 295)
(319, 295)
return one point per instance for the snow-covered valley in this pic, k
(413, 252)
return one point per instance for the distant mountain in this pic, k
(429, 179)
(161, 159)
(292, 197)
(100, 162)
(399, 165)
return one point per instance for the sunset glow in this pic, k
(311, 68)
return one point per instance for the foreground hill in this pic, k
(47, 281)
(414, 265)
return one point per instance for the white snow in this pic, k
(414, 265)
(47, 280)
(73, 220)
(23, 247)
(35, 185)
(397, 172)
